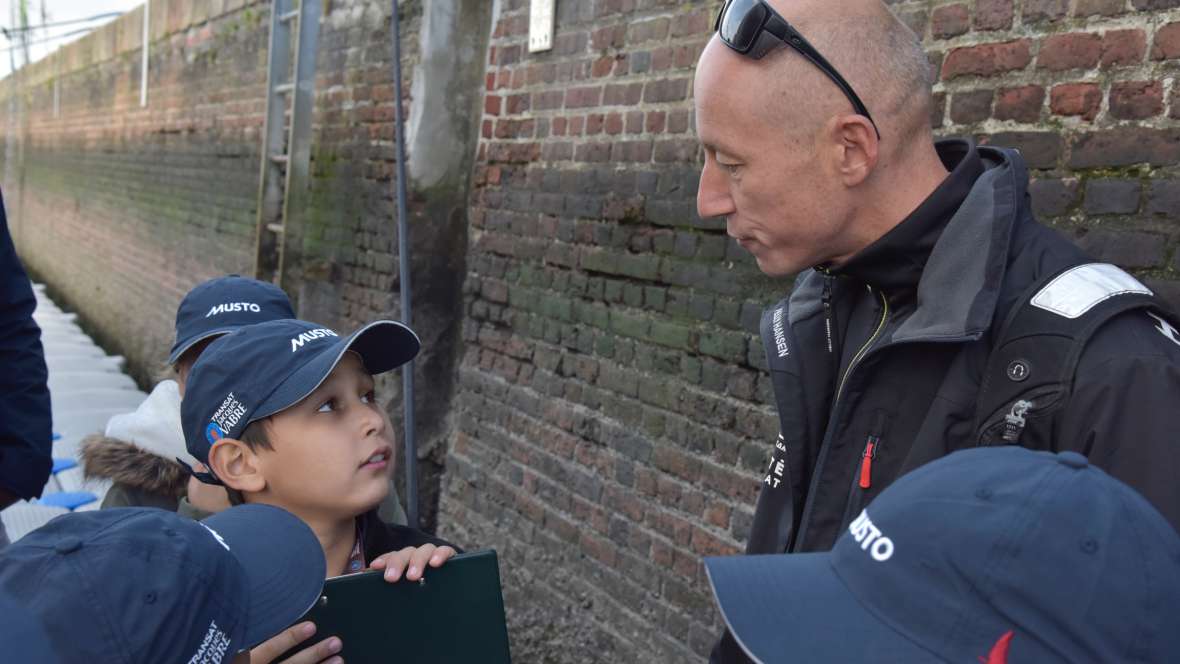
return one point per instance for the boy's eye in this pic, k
(327, 407)
(732, 169)
(368, 397)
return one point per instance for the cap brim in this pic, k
(181, 347)
(283, 563)
(382, 345)
(795, 608)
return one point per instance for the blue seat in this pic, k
(70, 500)
(63, 464)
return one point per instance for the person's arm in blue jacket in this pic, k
(25, 419)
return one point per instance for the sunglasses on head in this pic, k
(753, 28)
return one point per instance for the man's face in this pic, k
(332, 452)
(765, 178)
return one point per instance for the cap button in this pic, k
(1072, 459)
(68, 545)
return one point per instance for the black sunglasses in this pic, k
(753, 28)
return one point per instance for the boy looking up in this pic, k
(284, 413)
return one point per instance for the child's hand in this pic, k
(321, 652)
(413, 560)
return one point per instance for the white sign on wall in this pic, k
(541, 25)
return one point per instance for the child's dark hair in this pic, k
(255, 436)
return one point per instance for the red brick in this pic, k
(1076, 99)
(693, 23)
(491, 105)
(655, 121)
(1044, 10)
(987, 59)
(1125, 147)
(1100, 8)
(950, 21)
(1174, 113)
(1167, 43)
(1136, 100)
(602, 66)
(1074, 50)
(614, 123)
(971, 106)
(1020, 104)
(583, 97)
(993, 14)
(1123, 47)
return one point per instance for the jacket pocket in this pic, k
(863, 481)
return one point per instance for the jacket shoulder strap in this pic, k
(1036, 351)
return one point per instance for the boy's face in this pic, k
(332, 452)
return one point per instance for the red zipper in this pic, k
(866, 462)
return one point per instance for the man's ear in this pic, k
(856, 147)
(236, 465)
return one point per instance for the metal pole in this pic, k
(403, 257)
(143, 70)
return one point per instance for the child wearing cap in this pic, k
(142, 586)
(138, 451)
(284, 413)
(992, 555)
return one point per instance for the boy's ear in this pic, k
(236, 465)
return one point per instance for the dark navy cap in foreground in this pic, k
(138, 585)
(22, 639)
(224, 304)
(259, 370)
(988, 555)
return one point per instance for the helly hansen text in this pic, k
(312, 335)
(870, 538)
(231, 307)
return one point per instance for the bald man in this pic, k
(910, 255)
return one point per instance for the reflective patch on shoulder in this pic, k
(1080, 289)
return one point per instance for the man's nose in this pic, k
(713, 199)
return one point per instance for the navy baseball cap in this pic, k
(22, 639)
(259, 370)
(224, 304)
(146, 585)
(986, 555)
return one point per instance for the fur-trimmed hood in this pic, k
(139, 449)
(125, 463)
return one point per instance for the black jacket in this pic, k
(912, 320)
(25, 420)
(381, 538)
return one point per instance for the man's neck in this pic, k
(906, 184)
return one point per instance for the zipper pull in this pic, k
(827, 300)
(1014, 421)
(866, 462)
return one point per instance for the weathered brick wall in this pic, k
(614, 417)
(122, 209)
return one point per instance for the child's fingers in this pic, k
(441, 554)
(418, 560)
(396, 562)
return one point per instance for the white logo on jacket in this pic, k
(1165, 328)
(870, 538)
(780, 334)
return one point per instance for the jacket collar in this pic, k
(960, 282)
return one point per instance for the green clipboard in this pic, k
(454, 615)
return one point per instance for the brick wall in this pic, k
(613, 416)
(122, 209)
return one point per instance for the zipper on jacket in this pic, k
(830, 323)
(866, 462)
(863, 349)
(1014, 421)
(809, 504)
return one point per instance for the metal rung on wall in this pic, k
(286, 148)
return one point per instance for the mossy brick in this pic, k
(672, 335)
(594, 315)
(629, 325)
(723, 345)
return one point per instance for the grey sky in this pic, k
(55, 11)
